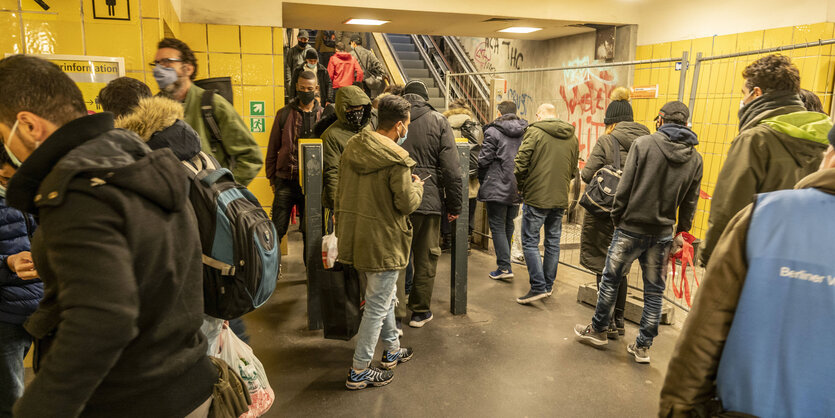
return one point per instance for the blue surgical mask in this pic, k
(311, 66)
(15, 161)
(165, 76)
(402, 139)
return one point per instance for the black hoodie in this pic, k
(119, 254)
(663, 173)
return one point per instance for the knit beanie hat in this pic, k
(619, 109)
(310, 54)
(416, 87)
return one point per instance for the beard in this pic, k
(171, 90)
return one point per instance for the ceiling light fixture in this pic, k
(520, 29)
(366, 22)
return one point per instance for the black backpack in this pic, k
(599, 198)
(241, 255)
(475, 136)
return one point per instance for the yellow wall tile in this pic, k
(9, 5)
(643, 52)
(778, 37)
(725, 44)
(194, 34)
(225, 65)
(150, 8)
(257, 69)
(661, 50)
(238, 98)
(135, 10)
(202, 64)
(279, 98)
(260, 187)
(151, 82)
(678, 47)
(256, 40)
(750, 41)
(51, 34)
(141, 77)
(10, 42)
(811, 33)
(115, 40)
(224, 38)
(264, 94)
(70, 8)
(278, 41)
(150, 39)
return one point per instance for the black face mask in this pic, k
(302, 44)
(305, 97)
(354, 119)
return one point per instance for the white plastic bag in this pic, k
(330, 250)
(240, 357)
(517, 254)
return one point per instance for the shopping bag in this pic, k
(330, 250)
(241, 359)
(341, 301)
(517, 254)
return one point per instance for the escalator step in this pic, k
(403, 47)
(413, 64)
(409, 56)
(417, 73)
(399, 38)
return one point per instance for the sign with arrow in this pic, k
(257, 108)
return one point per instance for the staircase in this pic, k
(415, 68)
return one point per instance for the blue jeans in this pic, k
(500, 217)
(542, 272)
(652, 252)
(14, 344)
(380, 297)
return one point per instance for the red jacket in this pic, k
(342, 67)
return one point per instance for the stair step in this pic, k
(409, 56)
(416, 64)
(399, 38)
(438, 103)
(434, 91)
(417, 73)
(403, 47)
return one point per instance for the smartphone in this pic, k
(426, 178)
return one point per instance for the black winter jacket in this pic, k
(431, 144)
(119, 254)
(662, 174)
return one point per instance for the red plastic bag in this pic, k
(685, 257)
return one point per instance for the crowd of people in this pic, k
(101, 263)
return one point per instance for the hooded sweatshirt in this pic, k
(375, 197)
(662, 174)
(119, 253)
(502, 139)
(344, 70)
(780, 143)
(336, 137)
(545, 163)
(158, 121)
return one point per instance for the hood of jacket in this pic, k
(343, 56)
(372, 152)
(627, 132)
(511, 125)
(680, 134)
(90, 147)
(555, 128)
(812, 126)
(420, 106)
(159, 122)
(677, 151)
(351, 96)
(823, 180)
(458, 116)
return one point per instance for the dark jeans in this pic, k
(620, 304)
(500, 217)
(426, 251)
(14, 344)
(652, 252)
(288, 193)
(542, 272)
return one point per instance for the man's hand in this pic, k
(416, 179)
(22, 265)
(678, 244)
(451, 217)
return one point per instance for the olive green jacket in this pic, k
(336, 137)
(238, 145)
(546, 163)
(374, 199)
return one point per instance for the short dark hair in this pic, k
(396, 89)
(306, 75)
(186, 54)
(811, 101)
(772, 73)
(507, 107)
(121, 95)
(357, 39)
(340, 46)
(30, 84)
(390, 110)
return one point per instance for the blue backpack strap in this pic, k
(214, 176)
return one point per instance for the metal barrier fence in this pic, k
(711, 86)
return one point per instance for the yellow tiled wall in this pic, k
(718, 94)
(251, 55)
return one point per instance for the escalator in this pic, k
(412, 60)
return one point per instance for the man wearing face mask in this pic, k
(294, 58)
(175, 67)
(296, 120)
(353, 110)
(311, 63)
(779, 143)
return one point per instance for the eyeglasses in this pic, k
(165, 62)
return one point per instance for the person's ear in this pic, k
(188, 70)
(33, 128)
(757, 92)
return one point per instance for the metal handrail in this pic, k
(458, 50)
(438, 79)
(394, 54)
(575, 67)
(455, 48)
(820, 42)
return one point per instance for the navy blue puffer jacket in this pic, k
(502, 139)
(18, 298)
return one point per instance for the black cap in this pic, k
(618, 111)
(674, 111)
(310, 54)
(303, 34)
(417, 87)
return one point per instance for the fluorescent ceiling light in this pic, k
(520, 29)
(367, 22)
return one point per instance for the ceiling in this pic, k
(309, 16)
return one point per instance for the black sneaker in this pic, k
(641, 353)
(390, 360)
(419, 319)
(531, 297)
(620, 326)
(587, 334)
(371, 376)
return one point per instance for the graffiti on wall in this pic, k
(522, 100)
(489, 52)
(483, 55)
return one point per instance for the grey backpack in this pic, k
(599, 198)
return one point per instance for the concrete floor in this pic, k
(502, 359)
